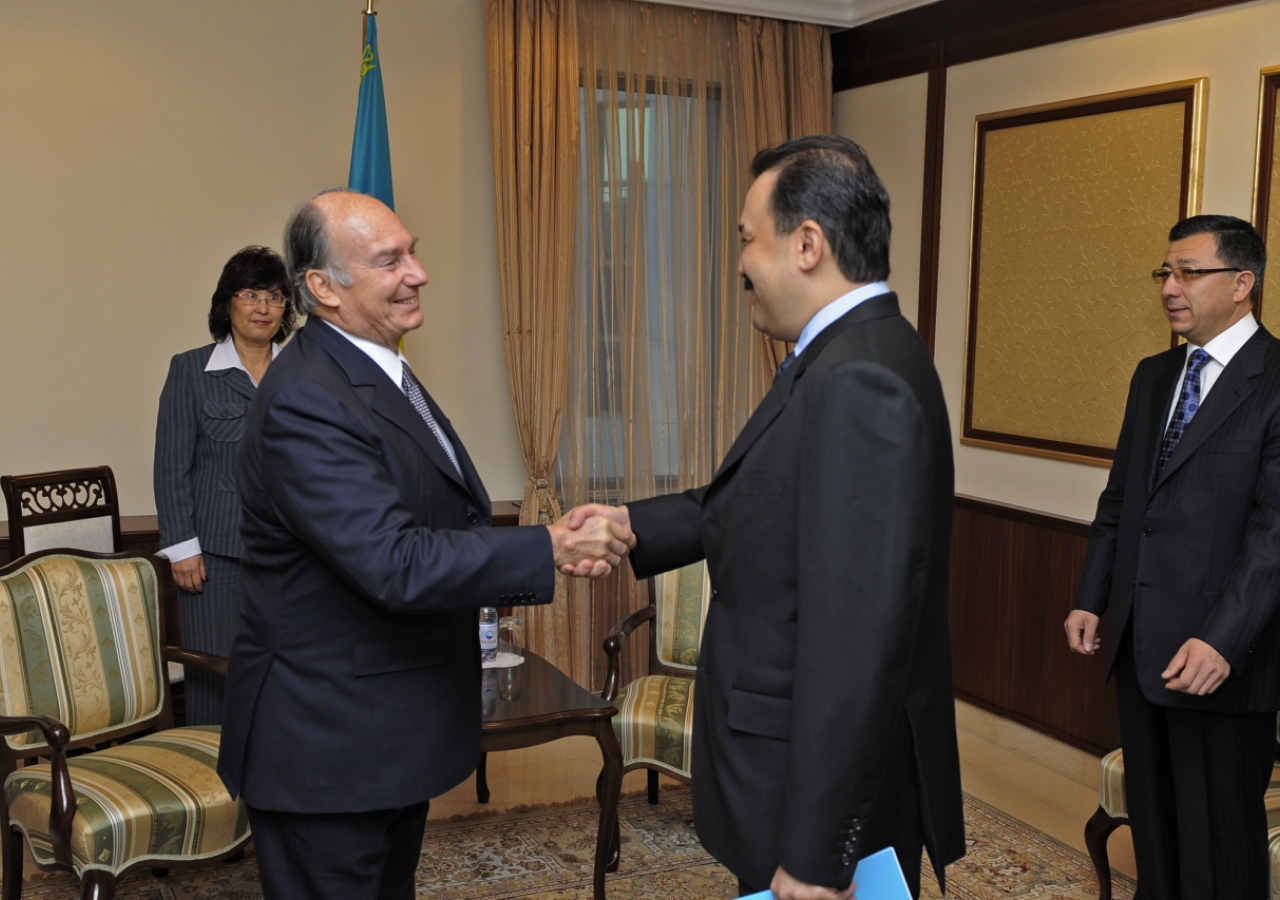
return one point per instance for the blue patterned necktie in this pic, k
(1188, 403)
(419, 401)
(782, 366)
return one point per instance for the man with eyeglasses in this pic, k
(1184, 558)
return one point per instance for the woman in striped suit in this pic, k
(198, 432)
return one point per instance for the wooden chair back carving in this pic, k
(72, 508)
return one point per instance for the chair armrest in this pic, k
(207, 661)
(613, 648)
(62, 805)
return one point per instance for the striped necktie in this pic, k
(414, 392)
(1188, 403)
(782, 366)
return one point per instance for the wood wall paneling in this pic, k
(1013, 578)
(899, 45)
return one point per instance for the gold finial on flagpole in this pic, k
(368, 8)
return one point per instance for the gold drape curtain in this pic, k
(532, 53)
(622, 139)
(786, 76)
(664, 364)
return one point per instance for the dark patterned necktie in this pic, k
(419, 401)
(782, 366)
(1188, 403)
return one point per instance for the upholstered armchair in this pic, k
(70, 509)
(1112, 813)
(82, 657)
(655, 712)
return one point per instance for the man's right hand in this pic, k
(589, 546)
(1082, 632)
(189, 574)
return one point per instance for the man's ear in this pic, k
(811, 245)
(1244, 287)
(321, 287)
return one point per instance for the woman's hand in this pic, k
(189, 574)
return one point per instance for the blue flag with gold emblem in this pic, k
(370, 150)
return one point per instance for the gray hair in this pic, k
(307, 247)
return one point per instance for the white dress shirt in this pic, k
(835, 309)
(1221, 350)
(394, 364)
(224, 356)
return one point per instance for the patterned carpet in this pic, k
(547, 853)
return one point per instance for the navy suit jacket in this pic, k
(198, 435)
(827, 531)
(354, 680)
(1196, 551)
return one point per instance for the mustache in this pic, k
(746, 284)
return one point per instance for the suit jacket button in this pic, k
(472, 519)
(844, 859)
(1147, 531)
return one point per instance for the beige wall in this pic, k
(1229, 46)
(145, 142)
(888, 120)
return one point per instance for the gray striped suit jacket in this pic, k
(198, 433)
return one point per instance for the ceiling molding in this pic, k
(836, 13)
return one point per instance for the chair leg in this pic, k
(97, 885)
(12, 861)
(1096, 832)
(482, 779)
(653, 785)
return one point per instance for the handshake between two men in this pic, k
(590, 540)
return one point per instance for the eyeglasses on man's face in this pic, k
(251, 299)
(1184, 274)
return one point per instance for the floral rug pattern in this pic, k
(547, 852)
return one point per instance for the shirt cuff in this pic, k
(179, 552)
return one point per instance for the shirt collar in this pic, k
(1226, 345)
(835, 309)
(389, 361)
(224, 356)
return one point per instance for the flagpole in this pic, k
(364, 31)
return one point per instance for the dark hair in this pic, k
(257, 269)
(828, 178)
(307, 247)
(1239, 244)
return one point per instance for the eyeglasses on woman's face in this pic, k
(251, 299)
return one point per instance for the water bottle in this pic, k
(488, 634)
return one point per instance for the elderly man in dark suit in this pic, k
(825, 722)
(1184, 558)
(353, 691)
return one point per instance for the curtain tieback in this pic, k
(542, 490)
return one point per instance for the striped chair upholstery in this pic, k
(681, 598)
(80, 643)
(1113, 813)
(654, 724)
(158, 798)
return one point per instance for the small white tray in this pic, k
(504, 660)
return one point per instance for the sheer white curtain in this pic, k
(664, 366)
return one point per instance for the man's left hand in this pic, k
(1196, 669)
(785, 887)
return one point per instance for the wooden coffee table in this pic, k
(535, 703)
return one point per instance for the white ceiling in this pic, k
(838, 13)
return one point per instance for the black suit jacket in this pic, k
(1195, 552)
(198, 433)
(827, 530)
(354, 681)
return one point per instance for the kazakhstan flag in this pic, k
(370, 150)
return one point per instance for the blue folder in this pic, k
(878, 876)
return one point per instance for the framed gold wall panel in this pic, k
(1072, 208)
(1266, 203)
